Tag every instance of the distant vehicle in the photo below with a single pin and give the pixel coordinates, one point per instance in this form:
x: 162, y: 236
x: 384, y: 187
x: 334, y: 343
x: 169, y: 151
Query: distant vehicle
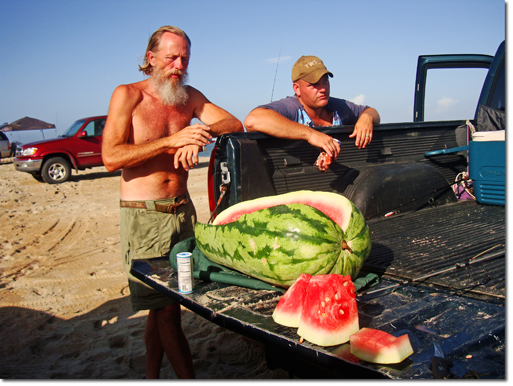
x: 5, y: 146
x: 51, y: 161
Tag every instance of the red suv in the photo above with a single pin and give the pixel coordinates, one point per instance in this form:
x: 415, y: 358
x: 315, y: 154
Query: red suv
x: 80, y: 148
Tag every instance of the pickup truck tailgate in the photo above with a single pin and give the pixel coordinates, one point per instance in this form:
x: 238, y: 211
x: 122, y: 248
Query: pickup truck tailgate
x: 463, y: 309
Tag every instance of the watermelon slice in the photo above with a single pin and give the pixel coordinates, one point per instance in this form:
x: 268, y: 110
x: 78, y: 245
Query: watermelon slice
x: 288, y: 310
x: 329, y: 314
x: 378, y: 346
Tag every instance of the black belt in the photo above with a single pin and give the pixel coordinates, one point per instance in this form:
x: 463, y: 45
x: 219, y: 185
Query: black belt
x: 170, y: 208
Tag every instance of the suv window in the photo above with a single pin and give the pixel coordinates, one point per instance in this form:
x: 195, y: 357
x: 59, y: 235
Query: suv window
x: 99, y: 126
x: 498, y: 92
x: 95, y: 128
x: 3, y: 137
x: 89, y: 129
x: 73, y: 128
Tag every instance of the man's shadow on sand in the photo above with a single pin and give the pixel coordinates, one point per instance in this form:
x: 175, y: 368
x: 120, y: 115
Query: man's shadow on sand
x: 103, y: 343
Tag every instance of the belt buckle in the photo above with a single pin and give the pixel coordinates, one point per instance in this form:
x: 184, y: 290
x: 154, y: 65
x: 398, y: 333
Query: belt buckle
x: 171, y: 208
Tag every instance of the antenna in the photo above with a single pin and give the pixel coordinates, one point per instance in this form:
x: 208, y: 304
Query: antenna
x: 272, y: 93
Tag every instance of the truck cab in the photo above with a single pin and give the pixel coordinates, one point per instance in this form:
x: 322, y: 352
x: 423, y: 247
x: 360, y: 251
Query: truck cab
x: 493, y: 90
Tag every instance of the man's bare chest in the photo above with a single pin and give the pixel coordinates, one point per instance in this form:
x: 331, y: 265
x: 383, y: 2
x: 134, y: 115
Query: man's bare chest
x: 152, y: 122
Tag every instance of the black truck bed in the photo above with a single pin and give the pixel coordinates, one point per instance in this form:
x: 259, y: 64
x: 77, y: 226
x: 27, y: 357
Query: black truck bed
x: 461, y: 304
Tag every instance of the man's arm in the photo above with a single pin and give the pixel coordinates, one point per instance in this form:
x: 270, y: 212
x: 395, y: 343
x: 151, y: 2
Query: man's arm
x: 364, y: 127
x: 218, y: 120
x: 117, y: 153
x: 272, y: 123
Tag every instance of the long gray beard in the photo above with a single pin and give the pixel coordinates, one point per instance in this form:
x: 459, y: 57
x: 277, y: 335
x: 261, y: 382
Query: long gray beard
x: 171, y: 93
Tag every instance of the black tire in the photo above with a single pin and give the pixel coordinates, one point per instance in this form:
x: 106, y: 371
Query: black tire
x: 56, y: 170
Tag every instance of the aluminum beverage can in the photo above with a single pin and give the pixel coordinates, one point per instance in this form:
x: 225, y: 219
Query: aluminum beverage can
x: 185, y: 276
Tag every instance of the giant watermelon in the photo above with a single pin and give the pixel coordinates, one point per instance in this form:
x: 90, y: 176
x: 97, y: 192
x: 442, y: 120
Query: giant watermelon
x: 279, y: 243
x: 277, y: 238
x: 329, y: 315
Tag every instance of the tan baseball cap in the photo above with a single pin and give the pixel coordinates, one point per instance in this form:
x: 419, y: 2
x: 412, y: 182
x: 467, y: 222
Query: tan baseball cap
x: 310, y: 69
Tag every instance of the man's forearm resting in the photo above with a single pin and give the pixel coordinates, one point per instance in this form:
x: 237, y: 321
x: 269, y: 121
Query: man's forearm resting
x: 272, y: 123
x: 373, y: 114
x: 228, y: 125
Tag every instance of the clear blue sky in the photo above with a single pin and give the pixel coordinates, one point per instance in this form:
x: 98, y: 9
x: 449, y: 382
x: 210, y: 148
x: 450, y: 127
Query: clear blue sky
x: 62, y: 59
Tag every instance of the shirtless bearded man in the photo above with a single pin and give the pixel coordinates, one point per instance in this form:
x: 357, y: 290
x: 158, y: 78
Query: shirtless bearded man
x: 149, y: 137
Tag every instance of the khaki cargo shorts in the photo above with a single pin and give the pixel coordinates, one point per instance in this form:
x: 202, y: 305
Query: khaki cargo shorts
x: 150, y: 229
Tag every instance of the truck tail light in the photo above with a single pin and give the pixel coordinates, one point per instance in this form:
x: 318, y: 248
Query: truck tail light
x: 210, y: 178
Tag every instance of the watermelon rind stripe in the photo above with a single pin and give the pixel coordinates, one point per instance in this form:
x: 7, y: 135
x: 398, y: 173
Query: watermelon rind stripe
x: 356, y: 223
x: 361, y: 244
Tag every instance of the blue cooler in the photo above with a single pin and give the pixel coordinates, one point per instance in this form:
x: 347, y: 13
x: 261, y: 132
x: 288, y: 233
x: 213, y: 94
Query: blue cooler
x: 487, y: 166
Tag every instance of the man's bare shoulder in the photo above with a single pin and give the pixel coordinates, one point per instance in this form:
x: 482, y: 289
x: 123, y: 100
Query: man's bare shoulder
x: 196, y: 96
x: 197, y: 101
x: 132, y: 92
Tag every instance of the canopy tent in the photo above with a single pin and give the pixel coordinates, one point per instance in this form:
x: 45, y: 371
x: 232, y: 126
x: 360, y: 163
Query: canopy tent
x: 28, y: 123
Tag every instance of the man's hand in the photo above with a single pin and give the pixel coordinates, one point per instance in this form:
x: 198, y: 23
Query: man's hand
x: 189, y: 142
x: 323, y: 141
x: 187, y: 156
x: 197, y: 134
x: 364, y: 127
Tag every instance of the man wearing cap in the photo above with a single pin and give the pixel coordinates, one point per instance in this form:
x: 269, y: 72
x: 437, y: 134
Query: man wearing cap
x: 296, y: 116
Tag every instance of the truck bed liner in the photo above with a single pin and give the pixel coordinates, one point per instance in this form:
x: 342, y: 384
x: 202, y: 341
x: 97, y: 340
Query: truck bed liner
x: 418, y: 243
x: 429, y: 310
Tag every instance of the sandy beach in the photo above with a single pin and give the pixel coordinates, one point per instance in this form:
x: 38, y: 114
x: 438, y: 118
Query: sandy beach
x: 64, y: 306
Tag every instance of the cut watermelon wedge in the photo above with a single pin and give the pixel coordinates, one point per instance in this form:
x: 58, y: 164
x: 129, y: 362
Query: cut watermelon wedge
x: 288, y: 310
x: 378, y: 346
x: 329, y: 314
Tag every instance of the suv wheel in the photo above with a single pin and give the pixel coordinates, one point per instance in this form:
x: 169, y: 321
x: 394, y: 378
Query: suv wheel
x: 56, y: 170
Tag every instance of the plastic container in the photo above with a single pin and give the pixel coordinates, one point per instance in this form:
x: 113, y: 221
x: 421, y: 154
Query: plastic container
x: 487, y: 166
x: 185, y: 275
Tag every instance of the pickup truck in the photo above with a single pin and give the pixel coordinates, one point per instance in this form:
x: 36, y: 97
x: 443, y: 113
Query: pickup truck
x: 439, y: 261
x: 51, y: 160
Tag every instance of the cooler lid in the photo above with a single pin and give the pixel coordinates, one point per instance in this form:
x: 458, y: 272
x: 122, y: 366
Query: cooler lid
x: 482, y: 136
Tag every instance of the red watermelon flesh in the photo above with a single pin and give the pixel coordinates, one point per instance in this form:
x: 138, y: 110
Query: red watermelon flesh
x: 378, y: 346
x: 335, y: 206
x: 288, y: 309
x: 329, y: 314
